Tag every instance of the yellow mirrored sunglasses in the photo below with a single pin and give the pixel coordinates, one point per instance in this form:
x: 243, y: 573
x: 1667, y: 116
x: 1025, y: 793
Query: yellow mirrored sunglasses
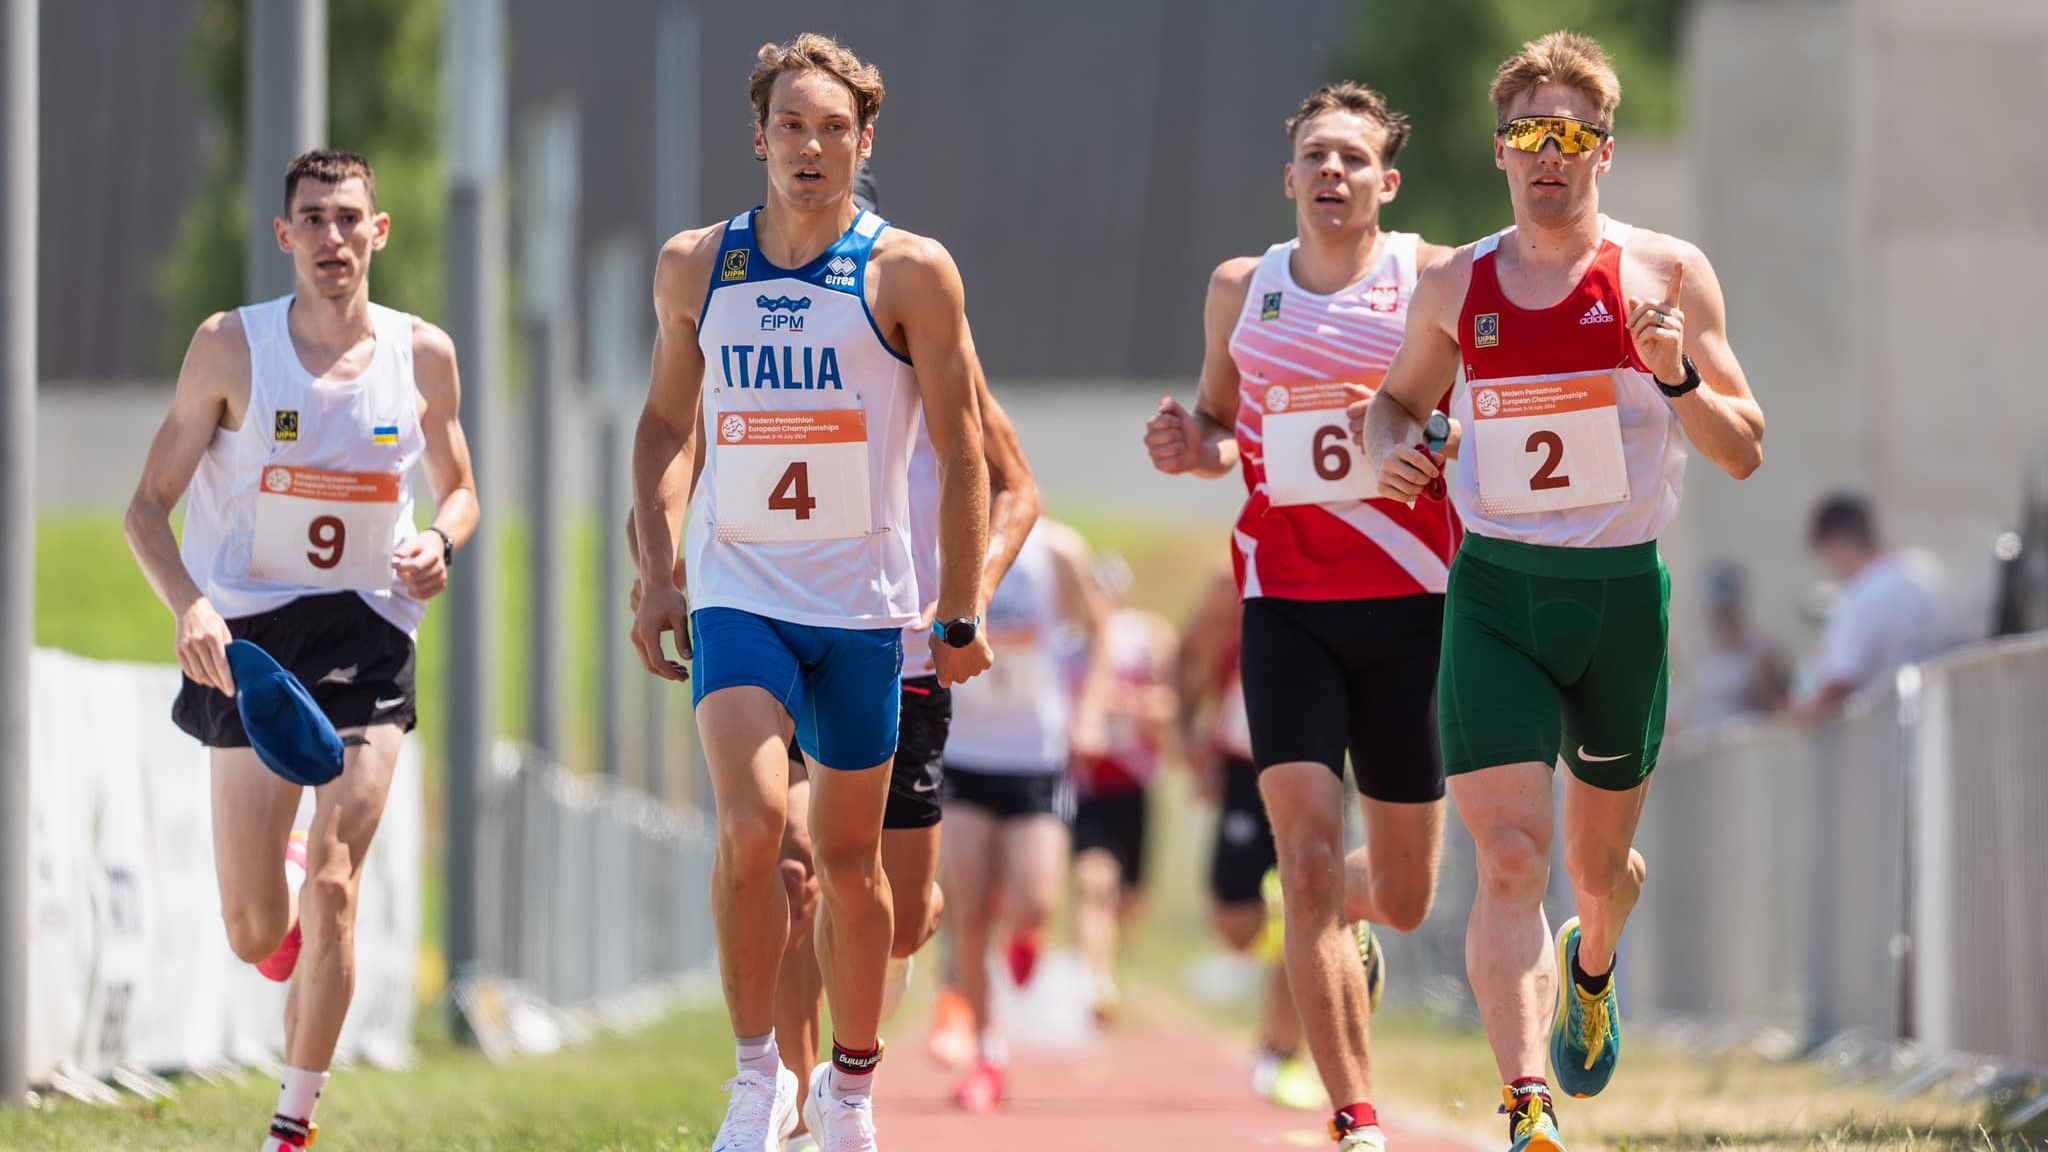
x: 1528, y: 133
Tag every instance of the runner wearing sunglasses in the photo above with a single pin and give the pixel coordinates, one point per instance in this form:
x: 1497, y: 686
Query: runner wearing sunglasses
x: 1591, y: 352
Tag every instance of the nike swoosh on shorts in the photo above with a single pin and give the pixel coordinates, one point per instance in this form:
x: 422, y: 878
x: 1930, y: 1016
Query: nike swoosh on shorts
x: 395, y: 701
x: 1589, y: 758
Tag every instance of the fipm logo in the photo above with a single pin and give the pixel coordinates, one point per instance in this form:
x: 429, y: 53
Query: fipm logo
x: 782, y: 314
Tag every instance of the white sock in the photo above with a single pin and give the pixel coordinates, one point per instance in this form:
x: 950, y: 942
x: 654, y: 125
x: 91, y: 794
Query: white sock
x: 300, y: 1093
x: 296, y: 1098
x: 758, y: 1054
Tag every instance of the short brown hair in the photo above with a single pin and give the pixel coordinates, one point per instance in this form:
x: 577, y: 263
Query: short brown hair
x: 328, y: 166
x: 1568, y: 58
x: 811, y: 52
x: 1350, y: 96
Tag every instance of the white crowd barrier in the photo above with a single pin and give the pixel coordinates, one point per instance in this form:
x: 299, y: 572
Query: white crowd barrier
x: 129, y: 967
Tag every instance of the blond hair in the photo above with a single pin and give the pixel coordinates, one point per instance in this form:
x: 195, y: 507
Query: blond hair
x: 1357, y: 99
x: 1568, y: 58
x: 811, y: 52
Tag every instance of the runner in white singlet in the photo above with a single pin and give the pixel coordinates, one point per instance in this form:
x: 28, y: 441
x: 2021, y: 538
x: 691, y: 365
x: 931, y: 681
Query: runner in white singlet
x: 1007, y: 793
x: 297, y: 424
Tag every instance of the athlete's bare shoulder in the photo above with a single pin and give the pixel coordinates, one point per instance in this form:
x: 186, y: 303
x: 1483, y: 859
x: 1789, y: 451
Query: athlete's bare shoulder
x: 1427, y: 254
x: 906, y: 263
x: 433, y: 354
x: 1441, y: 284
x: 217, y: 361
x: 682, y: 273
x: 1233, y: 278
x: 1651, y: 257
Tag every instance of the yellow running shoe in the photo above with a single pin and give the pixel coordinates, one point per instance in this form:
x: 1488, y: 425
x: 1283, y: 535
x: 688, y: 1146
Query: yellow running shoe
x: 1585, y: 1034
x: 1375, y: 961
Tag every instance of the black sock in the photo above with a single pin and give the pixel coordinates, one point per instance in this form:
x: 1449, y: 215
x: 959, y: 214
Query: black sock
x: 1590, y: 985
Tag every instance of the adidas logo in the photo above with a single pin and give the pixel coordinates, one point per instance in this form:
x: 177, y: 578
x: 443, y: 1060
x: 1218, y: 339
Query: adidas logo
x: 1597, y: 314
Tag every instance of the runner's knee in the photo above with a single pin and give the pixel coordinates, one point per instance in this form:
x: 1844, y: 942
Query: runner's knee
x: 1512, y: 866
x: 327, y: 910
x: 801, y: 883
x: 1402, y: 903
x: 917, y: 918
x: 749, y: 843
x: 1599, y: 872
x: 1312, y: 874
x: 254, y: 932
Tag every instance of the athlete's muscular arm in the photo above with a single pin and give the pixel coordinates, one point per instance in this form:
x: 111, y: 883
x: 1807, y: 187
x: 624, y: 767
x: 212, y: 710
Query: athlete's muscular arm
x: 1084, y: 603
x: 1423, y: 370
x: 1205, y: 441
x: 421, y: 561
x: 663, y: 448
x: 926, y: 303
x: 1720, y: 417
x: 1013, y: 503
x: 212, y: 392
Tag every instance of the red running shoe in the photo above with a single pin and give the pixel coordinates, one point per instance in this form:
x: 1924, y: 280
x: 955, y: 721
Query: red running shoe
x: 280, y: 964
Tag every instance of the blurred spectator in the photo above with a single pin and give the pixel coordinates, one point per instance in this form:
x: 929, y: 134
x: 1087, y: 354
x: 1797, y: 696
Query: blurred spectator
x: 1740, y: 675
x: 1893, y: 608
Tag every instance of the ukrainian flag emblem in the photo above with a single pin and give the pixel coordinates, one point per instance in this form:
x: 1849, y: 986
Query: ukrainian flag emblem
x: 385, y: 434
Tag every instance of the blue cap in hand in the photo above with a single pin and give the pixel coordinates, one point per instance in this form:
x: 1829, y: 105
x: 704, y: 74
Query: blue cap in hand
x: 289, y: 732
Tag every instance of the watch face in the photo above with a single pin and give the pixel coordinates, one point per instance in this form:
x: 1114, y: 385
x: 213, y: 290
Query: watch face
x: 959, y: 633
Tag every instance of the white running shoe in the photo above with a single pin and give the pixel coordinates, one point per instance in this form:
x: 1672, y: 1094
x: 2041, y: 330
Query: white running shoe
x: 801, y: 1142
x: 1366, y: 1139
x: 759, y: 1114
x: 895, y: 983
x: 840, y: 1125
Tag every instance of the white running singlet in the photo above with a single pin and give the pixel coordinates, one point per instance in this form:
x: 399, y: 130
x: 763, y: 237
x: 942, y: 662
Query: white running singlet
x: 313, y: 492
x: 802, y: 512
x: 1014, y: 717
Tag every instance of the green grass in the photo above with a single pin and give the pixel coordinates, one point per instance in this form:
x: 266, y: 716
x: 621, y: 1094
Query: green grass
x: 654, y: 1091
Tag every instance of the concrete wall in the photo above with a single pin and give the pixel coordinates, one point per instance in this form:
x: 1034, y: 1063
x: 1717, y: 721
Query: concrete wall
x: 1868, y: 193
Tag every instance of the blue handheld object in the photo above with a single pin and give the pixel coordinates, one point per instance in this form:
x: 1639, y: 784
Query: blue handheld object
x: 289, y: 732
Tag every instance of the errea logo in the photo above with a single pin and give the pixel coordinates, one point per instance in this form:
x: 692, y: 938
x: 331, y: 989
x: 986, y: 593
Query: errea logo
x: 839, y: 273
x: 1597, y: 314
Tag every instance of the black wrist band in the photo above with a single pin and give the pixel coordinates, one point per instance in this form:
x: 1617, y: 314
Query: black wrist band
x: 1689, y: 384
x: 447, y: 546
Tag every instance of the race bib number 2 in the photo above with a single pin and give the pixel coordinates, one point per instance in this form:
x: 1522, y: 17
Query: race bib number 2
x: 1309, y: 456
x: 793, y: 476
x: 325, y: 529
x: 1548, y: 445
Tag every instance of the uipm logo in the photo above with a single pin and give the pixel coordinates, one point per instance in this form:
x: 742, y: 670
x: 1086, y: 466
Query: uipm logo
x: 773, y: 319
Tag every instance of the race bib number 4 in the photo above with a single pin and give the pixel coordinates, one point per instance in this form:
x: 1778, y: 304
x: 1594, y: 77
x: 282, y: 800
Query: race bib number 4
x: 792, y: 476
x: 1548, y: 445
x: 325, y: 529
x: 1309, y: 456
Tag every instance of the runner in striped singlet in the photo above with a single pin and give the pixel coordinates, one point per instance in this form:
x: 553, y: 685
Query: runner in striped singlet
x: 1343, y: 592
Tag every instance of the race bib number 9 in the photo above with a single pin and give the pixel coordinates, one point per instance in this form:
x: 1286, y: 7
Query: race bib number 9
x: 1309, y: 456
x: 325, y: 529
x: 792, y: 476
x: 1548, y: 445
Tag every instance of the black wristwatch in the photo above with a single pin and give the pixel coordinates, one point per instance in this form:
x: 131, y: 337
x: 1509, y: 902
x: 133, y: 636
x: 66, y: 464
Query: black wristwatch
x: 1691, y: 381
x: 957, y: 633
x: 447, y: 547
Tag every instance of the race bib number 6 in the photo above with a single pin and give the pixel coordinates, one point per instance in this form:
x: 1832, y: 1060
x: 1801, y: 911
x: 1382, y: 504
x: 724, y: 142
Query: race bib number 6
x: 325, y: 529
x: 792, y: 476
x: 1548, y: 445
x: 1309, y: 456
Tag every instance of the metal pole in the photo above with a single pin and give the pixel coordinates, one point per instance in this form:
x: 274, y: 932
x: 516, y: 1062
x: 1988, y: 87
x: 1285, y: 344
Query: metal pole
x: 677, y: 120
x: 548, y: 193
x: 472, y: 52
x: 617, y: 373
x: 285, y: 43
x: 18, y: 132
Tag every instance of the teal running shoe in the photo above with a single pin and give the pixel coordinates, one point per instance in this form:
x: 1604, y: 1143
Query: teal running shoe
x: 1585, y: 1035
x: 1531, y: 1126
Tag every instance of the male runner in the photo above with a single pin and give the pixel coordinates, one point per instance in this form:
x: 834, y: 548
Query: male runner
x: 296, y: 423
x: 1343, y: 592
x: 1217, y: 736
x: 1111, y: 786
x: 1578, y: 337
x: 1008, y: 798
x: 793, y: 329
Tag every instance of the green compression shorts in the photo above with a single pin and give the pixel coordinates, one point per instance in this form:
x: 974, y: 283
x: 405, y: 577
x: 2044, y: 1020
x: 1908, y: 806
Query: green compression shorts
x: 1550, y: 650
